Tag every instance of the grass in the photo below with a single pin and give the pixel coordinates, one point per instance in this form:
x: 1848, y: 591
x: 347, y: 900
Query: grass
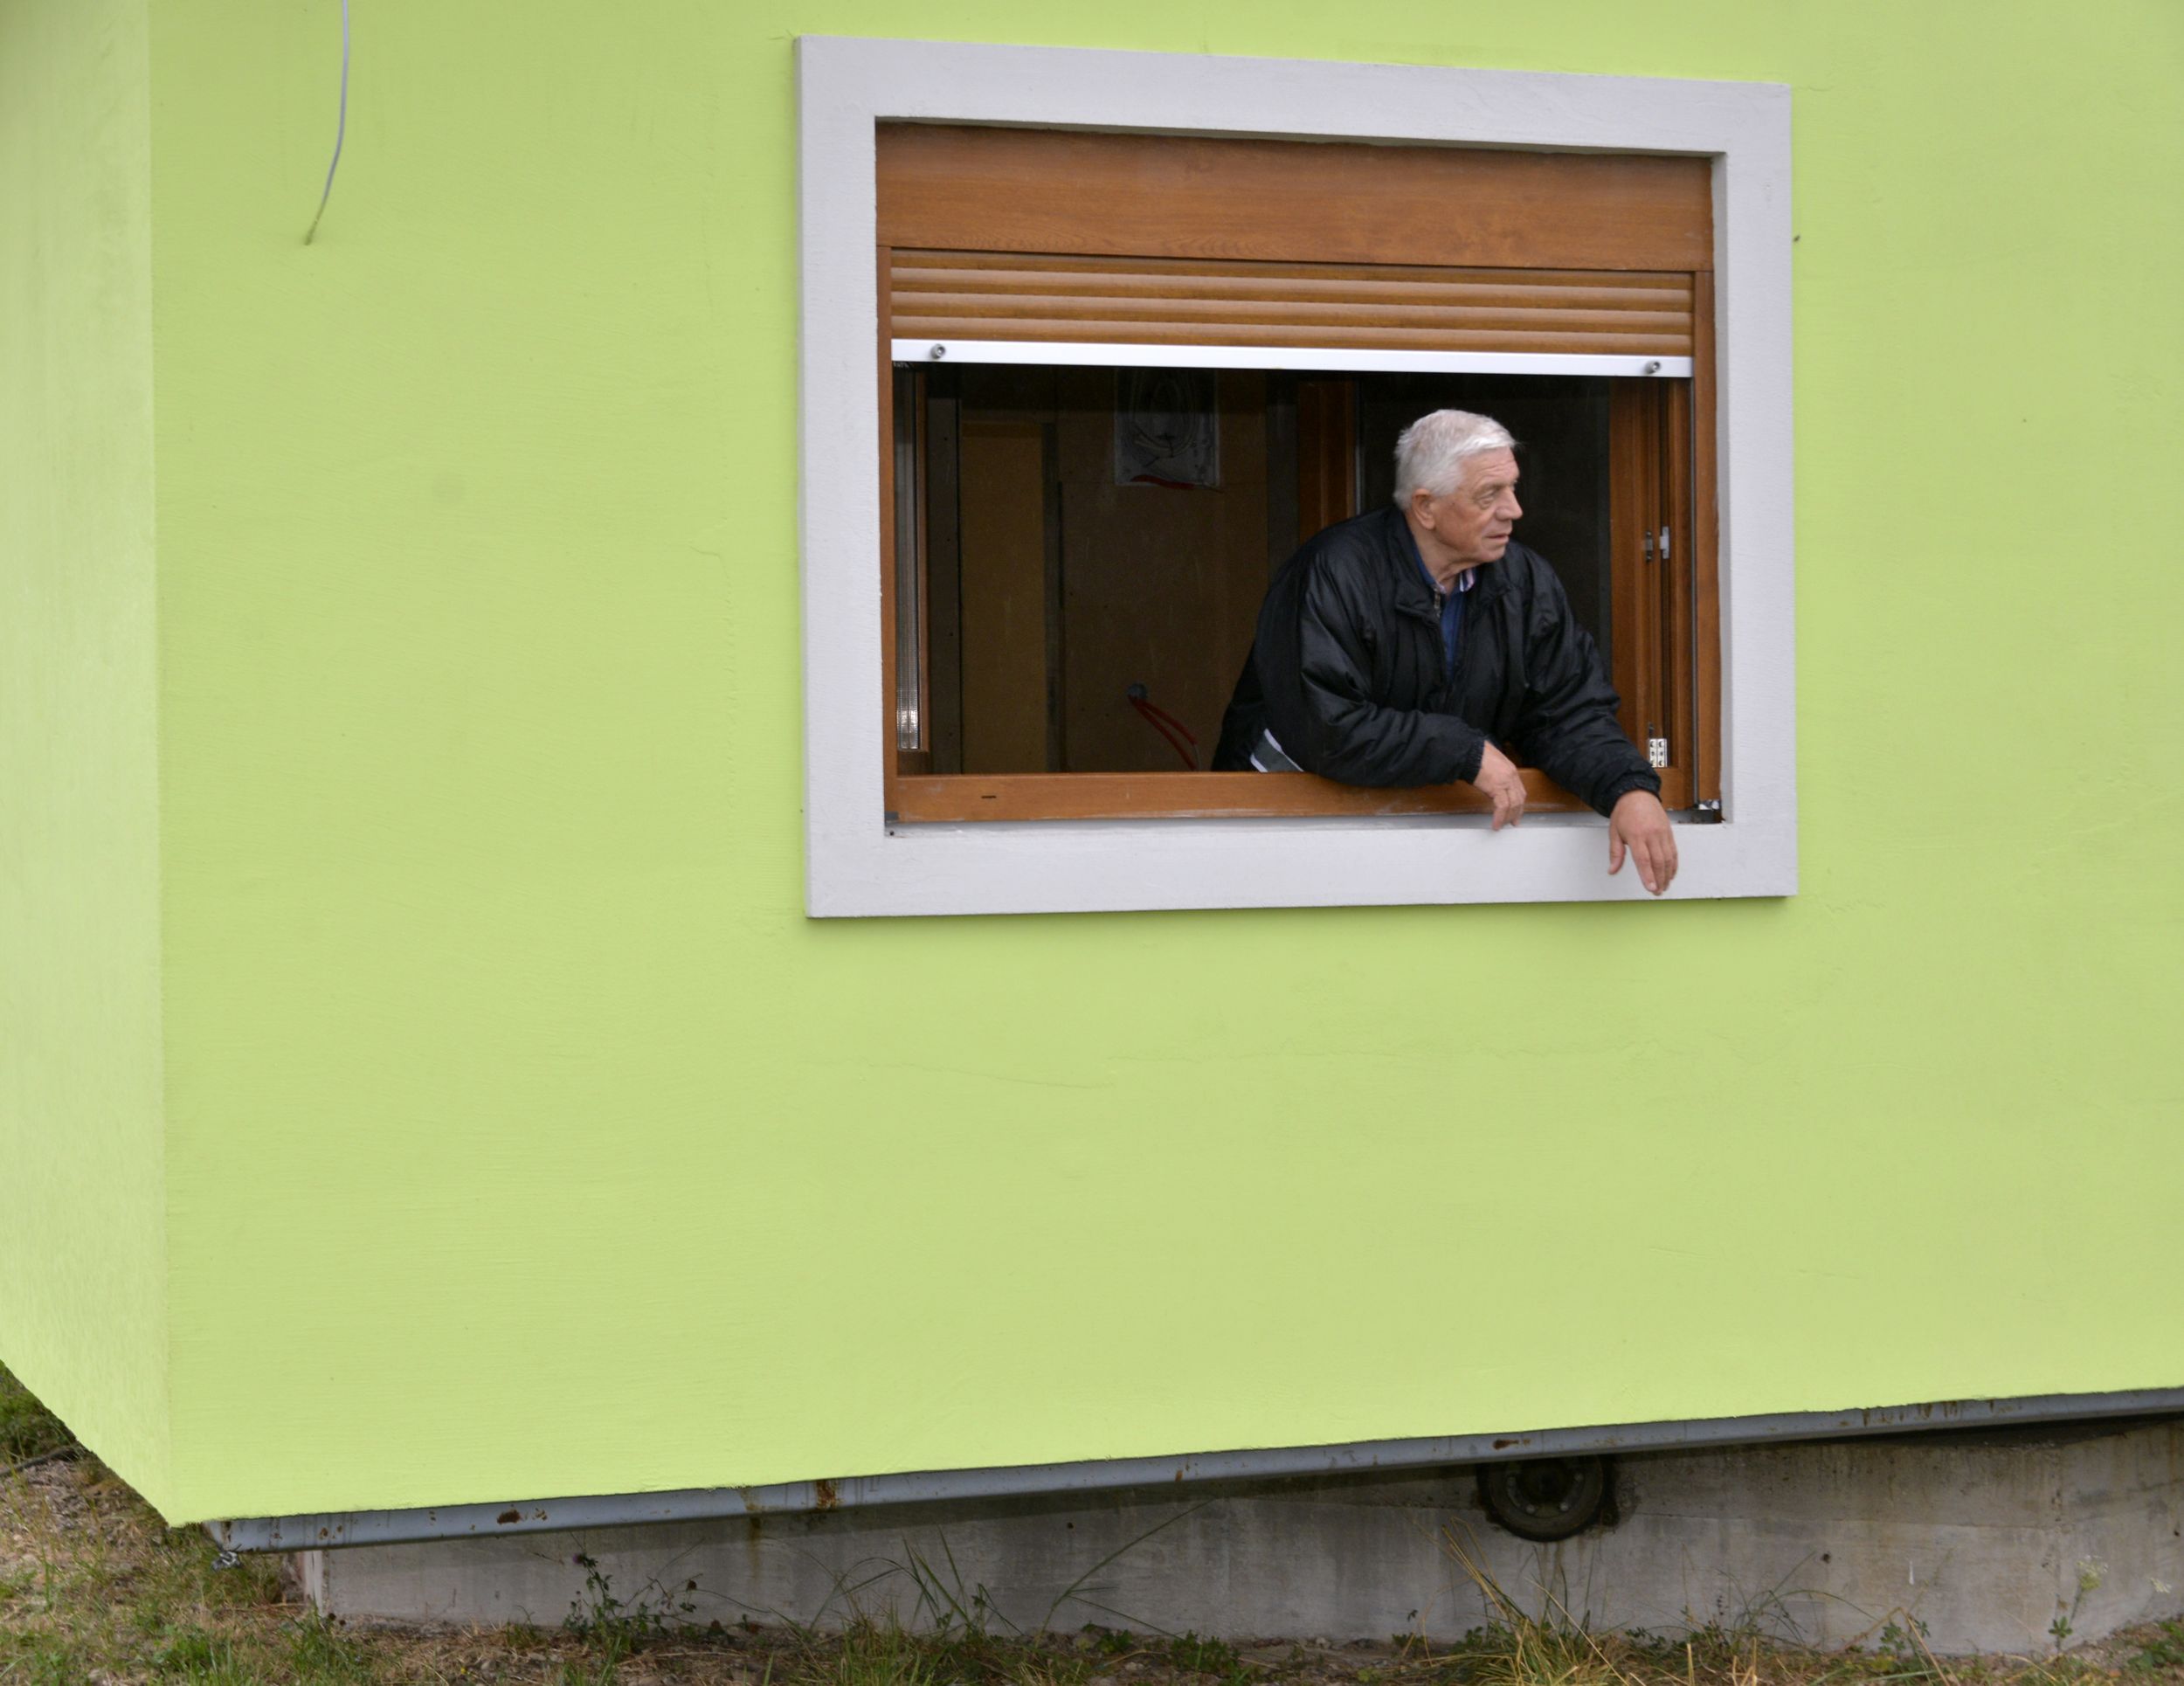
x: 94, y: 1588
x: 27, y: 1428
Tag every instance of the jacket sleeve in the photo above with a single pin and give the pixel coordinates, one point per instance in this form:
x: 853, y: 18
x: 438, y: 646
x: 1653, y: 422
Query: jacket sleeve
x: 1567, y: 725
x: 1347, y: 736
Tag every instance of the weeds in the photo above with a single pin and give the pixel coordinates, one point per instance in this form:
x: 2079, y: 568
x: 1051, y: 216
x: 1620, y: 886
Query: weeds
x: 1526, y: 1649
x: 1901, y: 1646
x: 27, y: 1429
x: 2090, y: 1574
x: 2163, y: 1653
x: 944, y: 1603
x: 203, y: 1659
x: 1192, y: 1655
x: 597, y: 1616
x: 320, y: 1651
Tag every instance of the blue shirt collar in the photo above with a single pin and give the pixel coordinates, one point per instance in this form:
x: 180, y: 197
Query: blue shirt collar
x: 1464, y: 580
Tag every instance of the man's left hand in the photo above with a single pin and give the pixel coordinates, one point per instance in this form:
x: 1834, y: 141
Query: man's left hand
x: 1640, y: 824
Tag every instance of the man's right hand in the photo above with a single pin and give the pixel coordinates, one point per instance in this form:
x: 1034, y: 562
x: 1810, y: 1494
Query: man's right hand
x: 1500, y: 783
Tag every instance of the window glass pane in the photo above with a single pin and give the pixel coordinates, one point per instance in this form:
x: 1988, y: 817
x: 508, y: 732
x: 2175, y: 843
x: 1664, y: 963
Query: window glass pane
x: 1114, y: 548
x: 909, y: 712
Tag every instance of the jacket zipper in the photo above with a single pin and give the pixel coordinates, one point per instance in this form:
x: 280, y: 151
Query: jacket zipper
x: 1432, y: 621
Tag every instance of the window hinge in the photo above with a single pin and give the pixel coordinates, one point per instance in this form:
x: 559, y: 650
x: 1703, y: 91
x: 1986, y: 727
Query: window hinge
x: 1709, y: 813
x: 1657, y: 752
x: 1664, y: 545
x: 1648, y: 544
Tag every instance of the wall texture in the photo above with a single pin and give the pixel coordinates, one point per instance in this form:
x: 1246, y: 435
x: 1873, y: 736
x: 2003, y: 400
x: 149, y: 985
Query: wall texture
x: 524, y: 1137
x: 82, y: 1220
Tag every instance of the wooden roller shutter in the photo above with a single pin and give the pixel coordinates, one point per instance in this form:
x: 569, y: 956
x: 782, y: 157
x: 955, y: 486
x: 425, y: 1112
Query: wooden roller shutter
x: 955, y: 297
x: 1025, y: 235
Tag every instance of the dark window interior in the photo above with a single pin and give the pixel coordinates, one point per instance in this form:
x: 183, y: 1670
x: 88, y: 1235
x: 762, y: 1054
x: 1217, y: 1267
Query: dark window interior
x: 1072, y: 604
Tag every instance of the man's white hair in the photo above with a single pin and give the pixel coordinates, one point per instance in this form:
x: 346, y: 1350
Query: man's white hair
x: 1431, y: 453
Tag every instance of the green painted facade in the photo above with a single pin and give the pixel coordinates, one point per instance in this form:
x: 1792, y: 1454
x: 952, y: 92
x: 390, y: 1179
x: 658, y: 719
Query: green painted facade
x: 83, y: 1233
x: 422, y: 1084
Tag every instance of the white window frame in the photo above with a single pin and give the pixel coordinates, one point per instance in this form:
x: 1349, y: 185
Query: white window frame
x: 857, y: 862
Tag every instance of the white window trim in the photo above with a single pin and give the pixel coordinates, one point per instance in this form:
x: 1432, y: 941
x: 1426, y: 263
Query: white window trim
x: 856, y: 863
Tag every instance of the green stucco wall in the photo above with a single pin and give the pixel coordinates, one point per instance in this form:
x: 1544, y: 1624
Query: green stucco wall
x: 525, y: 1138
x: 82, y: 1223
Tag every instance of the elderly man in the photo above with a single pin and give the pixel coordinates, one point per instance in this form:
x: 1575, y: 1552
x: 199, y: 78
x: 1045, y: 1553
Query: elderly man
x: 1419, y: 645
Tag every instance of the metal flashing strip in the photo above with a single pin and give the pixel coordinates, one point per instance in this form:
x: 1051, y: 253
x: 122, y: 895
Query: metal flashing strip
x: 1346, y: 359
x: 957, y: 1486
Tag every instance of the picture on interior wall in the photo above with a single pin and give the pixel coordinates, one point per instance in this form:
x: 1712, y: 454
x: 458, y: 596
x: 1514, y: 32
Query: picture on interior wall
x: 1167, y: 428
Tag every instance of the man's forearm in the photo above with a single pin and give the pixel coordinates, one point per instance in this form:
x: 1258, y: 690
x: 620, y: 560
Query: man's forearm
x: 1597, y: 763
x: 1356, y: 742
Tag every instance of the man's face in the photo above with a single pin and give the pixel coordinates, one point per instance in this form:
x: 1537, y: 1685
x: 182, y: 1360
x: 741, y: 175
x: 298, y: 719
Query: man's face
x: 1471, y: 524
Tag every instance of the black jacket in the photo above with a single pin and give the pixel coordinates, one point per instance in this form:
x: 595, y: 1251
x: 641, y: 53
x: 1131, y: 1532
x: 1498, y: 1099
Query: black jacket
x: 1347, y: 671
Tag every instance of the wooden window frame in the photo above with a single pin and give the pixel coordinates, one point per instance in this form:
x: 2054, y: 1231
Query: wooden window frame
x: 976, y: 229
x: 860, y: 862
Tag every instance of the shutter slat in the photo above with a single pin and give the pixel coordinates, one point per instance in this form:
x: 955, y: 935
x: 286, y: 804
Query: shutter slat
x: 969, y: 296
x: 1100, y: 312
x: 969, y: 271
x: 946, y: 328
x: 915, y: 284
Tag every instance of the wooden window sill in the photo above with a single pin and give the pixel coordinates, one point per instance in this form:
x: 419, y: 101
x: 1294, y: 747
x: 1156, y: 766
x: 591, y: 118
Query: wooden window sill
x: 918, y: 798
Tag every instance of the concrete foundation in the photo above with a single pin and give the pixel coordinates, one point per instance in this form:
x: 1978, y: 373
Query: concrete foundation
x: 1989, y: 1537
